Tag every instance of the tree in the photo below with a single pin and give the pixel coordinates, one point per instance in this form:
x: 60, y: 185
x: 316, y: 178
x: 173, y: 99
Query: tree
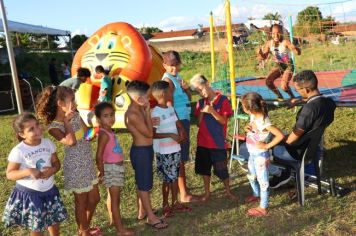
x: 309, y: 21
x: 78, y: 40
x: 149, y: 30
x: 271, y: 16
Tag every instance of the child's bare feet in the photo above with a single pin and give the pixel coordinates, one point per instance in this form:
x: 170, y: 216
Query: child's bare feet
x: 126, y: 232
x: 205, y: 197
x: 189, y: 198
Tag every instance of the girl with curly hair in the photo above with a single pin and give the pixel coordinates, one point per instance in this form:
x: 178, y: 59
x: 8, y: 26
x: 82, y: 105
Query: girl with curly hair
x: 57, y: 108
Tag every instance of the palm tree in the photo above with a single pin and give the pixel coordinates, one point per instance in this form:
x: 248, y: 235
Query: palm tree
x: 272, y: 16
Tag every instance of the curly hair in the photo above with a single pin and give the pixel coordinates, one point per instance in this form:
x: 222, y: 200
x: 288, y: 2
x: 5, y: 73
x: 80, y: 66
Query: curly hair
x: 254, y: 102
x: 46, y: 103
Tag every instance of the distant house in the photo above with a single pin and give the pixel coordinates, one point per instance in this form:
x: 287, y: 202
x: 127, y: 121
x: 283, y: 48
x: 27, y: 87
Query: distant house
x: 174, y: 35
x: 195, y: 39
x: 193, y: 33
x: 345, y: 29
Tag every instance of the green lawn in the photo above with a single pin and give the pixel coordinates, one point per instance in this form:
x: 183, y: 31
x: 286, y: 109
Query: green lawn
x: 322, y: 215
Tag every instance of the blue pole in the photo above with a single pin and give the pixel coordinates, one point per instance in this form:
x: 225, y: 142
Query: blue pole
x: 291, y: 40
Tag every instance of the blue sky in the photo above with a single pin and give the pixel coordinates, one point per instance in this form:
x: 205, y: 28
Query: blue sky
x: 84, y: 16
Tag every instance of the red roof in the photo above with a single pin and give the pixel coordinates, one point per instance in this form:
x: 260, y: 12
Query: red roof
x: 190, y: 32
x: 173, y: 34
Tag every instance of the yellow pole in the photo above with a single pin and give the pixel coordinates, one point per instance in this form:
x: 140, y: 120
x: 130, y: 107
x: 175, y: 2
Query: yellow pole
x: 231, y: 54
x: 212, y: 47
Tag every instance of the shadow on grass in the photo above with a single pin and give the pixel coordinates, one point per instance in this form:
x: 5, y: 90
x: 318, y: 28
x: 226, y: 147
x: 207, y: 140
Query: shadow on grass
x: 339, y: 161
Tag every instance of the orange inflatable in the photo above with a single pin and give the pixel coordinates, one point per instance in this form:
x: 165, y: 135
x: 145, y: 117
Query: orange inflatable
x: 124, y: 53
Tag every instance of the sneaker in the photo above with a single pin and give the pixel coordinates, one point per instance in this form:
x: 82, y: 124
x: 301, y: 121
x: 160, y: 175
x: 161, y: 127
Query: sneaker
x: 279, y: 181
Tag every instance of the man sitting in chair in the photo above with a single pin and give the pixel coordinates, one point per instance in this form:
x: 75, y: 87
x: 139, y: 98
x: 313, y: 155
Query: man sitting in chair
x: 318, y: 111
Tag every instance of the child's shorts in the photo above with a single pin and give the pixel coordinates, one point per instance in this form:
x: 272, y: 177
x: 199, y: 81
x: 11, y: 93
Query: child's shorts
x: 114, y: 175
x: 168, y: 166
x: 141, y: 160
x: 211, y: 157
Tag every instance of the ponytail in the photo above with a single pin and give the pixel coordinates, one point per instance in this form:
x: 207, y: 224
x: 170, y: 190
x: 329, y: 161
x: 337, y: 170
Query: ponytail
x: 254, y: 102
x: 47, y: 102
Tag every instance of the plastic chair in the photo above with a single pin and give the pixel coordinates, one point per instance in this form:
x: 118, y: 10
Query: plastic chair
x: 311, y: 141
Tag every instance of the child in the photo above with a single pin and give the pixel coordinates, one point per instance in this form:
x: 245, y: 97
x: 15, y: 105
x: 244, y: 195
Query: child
x: 56, y: 107
x: 105, y: 85
x: 110, y: 163
x: 139, y: 124
x: 180, y: 99
x: 65, y: 70
x: 35, y: 202
x: 74, y: 83
x: 258, y: 131
x: 283, y: 66
x: 166, y: 146
x: 213, y: 112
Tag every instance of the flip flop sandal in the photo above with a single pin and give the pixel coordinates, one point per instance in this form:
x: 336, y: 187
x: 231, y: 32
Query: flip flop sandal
x: 158, y: 225
x: 155, y: 211
x: 181, y: 208
x: 257, y: 212
x: 95, y: 231
x: 252, y: 199
x: 168, y: 212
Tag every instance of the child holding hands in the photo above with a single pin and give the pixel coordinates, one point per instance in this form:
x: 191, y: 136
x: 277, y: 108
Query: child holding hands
x: 257, y: 143
x: 35, y: 202
x: 166, y: 144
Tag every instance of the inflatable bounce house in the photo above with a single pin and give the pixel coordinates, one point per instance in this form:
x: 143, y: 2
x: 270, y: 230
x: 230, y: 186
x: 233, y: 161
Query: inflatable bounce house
x: 124, y: 53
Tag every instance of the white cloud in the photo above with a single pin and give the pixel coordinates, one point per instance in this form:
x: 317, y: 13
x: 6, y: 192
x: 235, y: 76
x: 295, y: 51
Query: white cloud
x: 345, y: 12
x: 79, y: 32
x: 181, y: 22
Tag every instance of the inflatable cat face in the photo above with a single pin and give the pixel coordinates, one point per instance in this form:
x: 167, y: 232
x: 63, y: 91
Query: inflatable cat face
x: 125, y: 55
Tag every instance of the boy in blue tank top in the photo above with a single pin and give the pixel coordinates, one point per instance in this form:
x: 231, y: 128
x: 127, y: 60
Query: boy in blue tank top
x: 180, y: 100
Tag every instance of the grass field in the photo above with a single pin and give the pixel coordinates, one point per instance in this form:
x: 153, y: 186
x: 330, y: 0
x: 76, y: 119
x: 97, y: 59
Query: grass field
x: 322, y: 214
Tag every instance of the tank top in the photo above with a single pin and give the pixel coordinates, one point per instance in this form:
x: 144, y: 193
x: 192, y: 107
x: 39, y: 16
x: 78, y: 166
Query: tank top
x: 181, y: 101
x: 113, y: 151
x: 281, y: 54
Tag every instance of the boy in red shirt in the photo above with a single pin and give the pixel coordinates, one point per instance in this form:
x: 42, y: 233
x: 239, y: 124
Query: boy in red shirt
x: 213, y: 112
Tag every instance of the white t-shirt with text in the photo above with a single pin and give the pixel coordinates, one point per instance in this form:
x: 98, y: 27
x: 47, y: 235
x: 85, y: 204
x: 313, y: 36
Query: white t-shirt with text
x: 34, y: 157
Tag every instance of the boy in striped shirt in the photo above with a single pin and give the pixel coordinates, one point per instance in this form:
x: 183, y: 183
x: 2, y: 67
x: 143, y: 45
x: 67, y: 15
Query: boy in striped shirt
x: 168, y: 135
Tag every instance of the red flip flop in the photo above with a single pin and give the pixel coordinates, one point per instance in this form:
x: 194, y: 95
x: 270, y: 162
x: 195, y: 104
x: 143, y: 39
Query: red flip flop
x: 252, y: 199
x: 180, y: 208
x: 95, y: 231
x: 257, y: 212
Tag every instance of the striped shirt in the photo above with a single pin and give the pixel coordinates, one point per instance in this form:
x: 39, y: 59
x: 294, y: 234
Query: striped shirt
x: 167, y: 124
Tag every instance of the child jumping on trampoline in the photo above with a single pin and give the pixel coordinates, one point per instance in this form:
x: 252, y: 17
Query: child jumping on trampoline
x: 280, y: 49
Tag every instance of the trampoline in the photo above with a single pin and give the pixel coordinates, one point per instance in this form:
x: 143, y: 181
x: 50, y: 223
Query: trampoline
x: 338, y: 85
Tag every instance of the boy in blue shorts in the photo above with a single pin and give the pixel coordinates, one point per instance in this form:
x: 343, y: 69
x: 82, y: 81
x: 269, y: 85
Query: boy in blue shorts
x: 166, y: 144
x: 139, y: 124
x: 213, y: 112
